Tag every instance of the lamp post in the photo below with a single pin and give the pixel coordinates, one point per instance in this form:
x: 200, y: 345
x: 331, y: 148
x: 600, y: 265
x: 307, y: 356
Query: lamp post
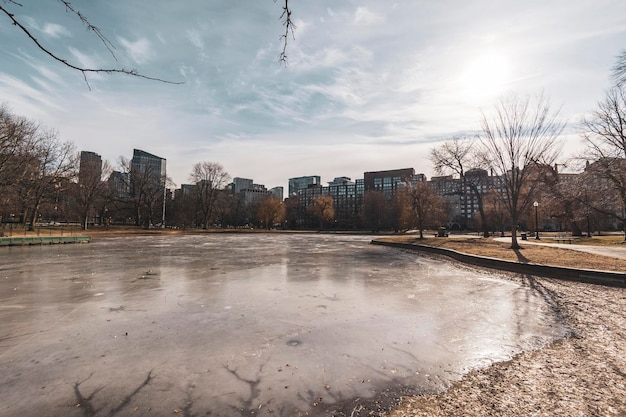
x: 536, y: 204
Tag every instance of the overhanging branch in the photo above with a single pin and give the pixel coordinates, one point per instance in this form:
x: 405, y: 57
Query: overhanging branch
x: 83, y: 70
x: 289, y: 28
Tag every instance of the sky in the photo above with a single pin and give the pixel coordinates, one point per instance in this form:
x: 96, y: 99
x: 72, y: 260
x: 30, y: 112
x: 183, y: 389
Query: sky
x: 369, y: 85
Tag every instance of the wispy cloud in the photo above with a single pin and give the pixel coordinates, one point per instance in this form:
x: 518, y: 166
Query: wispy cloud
x: 140, y: 51
x: 50, y: 29
x: 364, y: 16
x: 195, y: 37
x: 55, y: 31
x: 30, y: 100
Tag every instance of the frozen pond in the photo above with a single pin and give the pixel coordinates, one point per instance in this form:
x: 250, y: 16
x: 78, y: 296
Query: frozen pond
x: 234, y: 325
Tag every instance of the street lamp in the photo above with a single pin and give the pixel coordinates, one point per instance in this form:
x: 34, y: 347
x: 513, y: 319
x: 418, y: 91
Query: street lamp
x: 536, y: 204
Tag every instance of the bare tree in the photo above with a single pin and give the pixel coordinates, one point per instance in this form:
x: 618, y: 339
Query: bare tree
x: 374, y: 211
x: 518, y: 140
x: 619, y: 69
x: 48, y: 163
x: 604, y: 132
x: 91, y: 189
x: 291, y: 212
x: 17, y: 134
x: 270, y: 211
x: 209, y: 178
x: 496, y: 211
x: 456, y: 156
x: 399, y: 212
x: 322, y: 209
x: 145, y: 191
x: 427, y: 208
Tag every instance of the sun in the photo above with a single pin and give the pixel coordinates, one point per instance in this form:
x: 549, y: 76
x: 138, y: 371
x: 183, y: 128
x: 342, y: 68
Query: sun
x: 484, y: 77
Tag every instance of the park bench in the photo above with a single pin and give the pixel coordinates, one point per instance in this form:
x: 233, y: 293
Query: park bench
x: 563, y: 239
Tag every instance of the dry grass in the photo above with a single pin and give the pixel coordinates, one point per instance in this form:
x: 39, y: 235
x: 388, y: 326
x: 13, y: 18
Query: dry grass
x: 544, y: 255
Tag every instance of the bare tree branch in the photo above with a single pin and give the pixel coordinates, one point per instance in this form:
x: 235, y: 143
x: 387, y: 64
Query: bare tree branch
x: 83, y: 70
x: 90, y: 27
x: 289, y: 28
x: 619, y: 69
x: 520, y: 141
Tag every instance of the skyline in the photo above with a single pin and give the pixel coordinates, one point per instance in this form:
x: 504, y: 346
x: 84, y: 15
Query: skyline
x: 367, y: 87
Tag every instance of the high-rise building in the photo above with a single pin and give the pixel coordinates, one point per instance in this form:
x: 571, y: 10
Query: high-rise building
x: 300, y: 183
x: 241, y: 184
x: 277, y: 192
x: 90, y: 169
x: 248, y: 192
x: 148, y: 174
x: 119, y: 184
x: 146, y: 163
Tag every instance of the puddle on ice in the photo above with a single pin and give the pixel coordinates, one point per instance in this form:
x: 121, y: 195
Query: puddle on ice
x: 235, y: 325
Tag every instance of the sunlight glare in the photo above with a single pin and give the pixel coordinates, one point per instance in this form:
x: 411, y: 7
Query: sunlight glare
x: 484, y: 77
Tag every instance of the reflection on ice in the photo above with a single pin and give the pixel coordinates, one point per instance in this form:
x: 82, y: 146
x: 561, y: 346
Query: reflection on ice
x: 236, y: 324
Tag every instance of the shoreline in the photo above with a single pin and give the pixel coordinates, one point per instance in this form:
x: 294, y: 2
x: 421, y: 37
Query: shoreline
x: 583, y: 374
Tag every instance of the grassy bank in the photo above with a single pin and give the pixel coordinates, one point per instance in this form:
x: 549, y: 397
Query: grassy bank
x: 545, y: 255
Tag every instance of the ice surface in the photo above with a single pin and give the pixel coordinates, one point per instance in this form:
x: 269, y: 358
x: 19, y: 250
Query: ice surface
x: 245, y: 325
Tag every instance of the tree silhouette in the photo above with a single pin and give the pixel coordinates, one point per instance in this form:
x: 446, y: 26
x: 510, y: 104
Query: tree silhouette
x: 518, y: 140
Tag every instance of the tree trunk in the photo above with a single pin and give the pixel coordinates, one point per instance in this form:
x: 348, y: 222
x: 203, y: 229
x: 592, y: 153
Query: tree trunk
x: 514, y: 244
x: 483, y: 220
x: 33, y: 217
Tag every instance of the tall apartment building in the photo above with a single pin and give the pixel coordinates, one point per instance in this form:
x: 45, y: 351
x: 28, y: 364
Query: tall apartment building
x: 300, y: 183
x: 90, y: 168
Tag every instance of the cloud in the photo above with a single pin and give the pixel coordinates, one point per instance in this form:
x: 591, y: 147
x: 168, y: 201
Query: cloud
x: 26, y: 99
x: 55, y: 31
x: 139, y: 51
x: 363, y: 16
x: 195, y: 37
x: 85, y: 61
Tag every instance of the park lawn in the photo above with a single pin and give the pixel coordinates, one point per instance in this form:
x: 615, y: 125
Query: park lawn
x: 544, y: 255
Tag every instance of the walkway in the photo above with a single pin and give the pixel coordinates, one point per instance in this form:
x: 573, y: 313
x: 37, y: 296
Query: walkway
x: 612, y: 251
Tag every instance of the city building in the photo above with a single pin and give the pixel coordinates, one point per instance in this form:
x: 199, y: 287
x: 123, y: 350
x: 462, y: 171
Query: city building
x: 347, y: 198
x: 147, y: 181
x: 241, y: 184
x: 248, y: 192
x: 119, y: 185
x: 146, y: 163
x: 300, y: 183
x: 90, y: 167
x: 277, y: 192
x: 449, y: 189
x: 389, y: 182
